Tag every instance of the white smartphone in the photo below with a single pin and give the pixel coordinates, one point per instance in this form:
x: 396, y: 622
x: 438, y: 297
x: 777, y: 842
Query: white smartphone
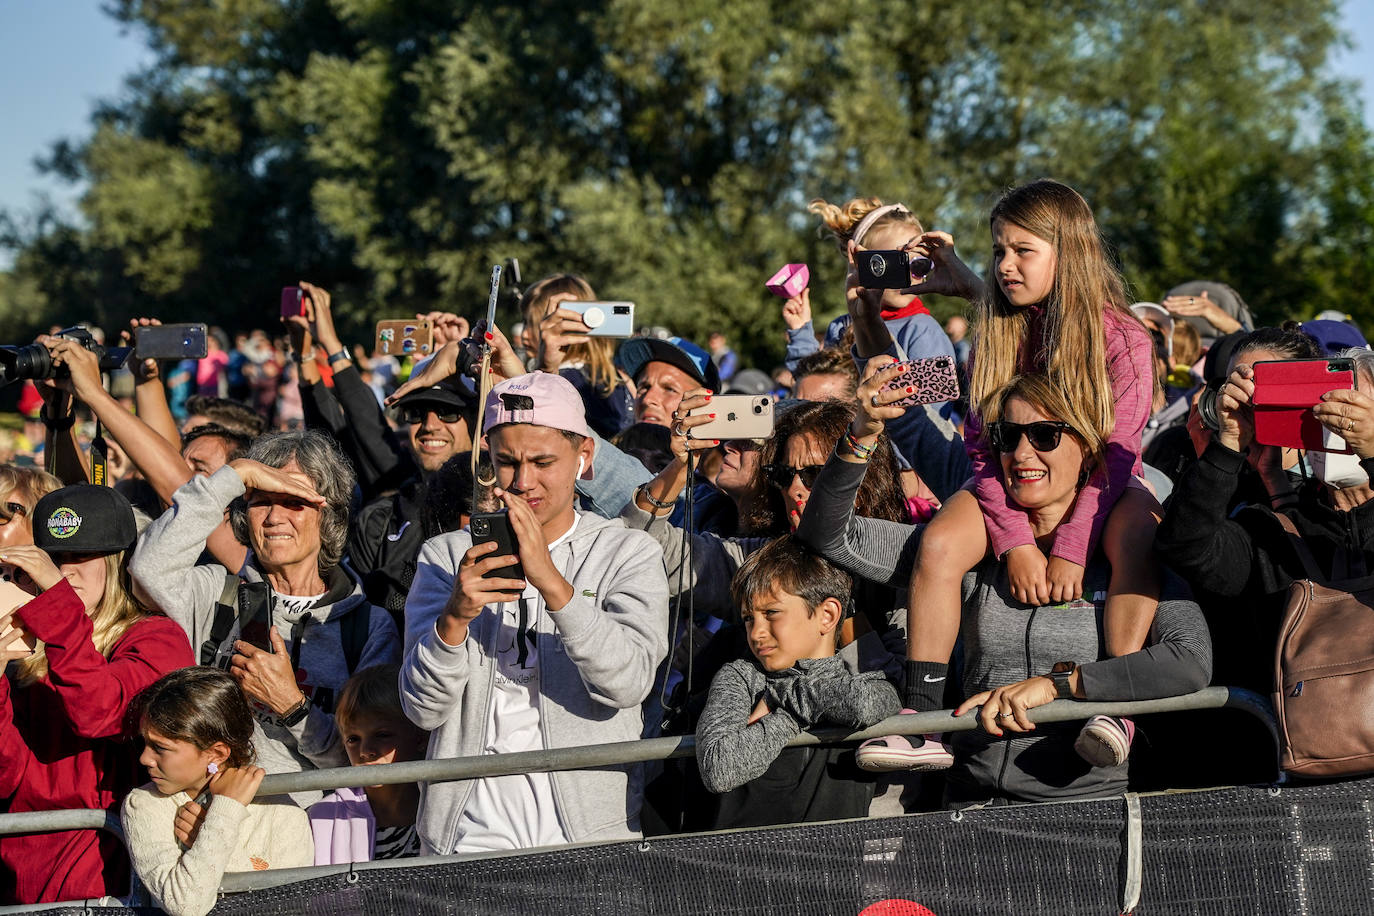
x: 738, y: 416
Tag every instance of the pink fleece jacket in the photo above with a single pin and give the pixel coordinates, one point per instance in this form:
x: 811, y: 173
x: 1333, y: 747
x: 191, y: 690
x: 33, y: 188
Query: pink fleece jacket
x: 1129, y: 353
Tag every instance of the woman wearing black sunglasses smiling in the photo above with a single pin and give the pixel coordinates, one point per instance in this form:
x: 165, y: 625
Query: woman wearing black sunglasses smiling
x: 1011, y: 649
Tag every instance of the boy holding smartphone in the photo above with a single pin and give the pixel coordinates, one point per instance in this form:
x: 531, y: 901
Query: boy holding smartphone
x: 561, y: 657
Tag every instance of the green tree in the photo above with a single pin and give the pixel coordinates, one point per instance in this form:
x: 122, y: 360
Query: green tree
x: 394, y: 149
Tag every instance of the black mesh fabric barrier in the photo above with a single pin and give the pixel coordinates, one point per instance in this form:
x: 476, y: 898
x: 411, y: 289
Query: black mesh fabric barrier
x: 1302, y: 850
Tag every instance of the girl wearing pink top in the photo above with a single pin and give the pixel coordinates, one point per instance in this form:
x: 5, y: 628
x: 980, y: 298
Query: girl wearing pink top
x: 1053, y: 305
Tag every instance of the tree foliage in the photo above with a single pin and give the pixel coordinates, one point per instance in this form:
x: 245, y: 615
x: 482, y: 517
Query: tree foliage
x: 394, y: 149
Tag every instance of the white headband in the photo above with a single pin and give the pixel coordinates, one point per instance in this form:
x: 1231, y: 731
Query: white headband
x: 874, y: 215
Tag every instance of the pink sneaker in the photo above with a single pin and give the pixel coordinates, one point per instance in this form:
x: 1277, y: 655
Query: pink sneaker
x: 1105, y: 741
x: 894, y: 753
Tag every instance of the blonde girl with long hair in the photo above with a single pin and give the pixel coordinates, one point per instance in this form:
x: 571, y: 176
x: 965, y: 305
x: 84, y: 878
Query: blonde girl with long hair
x: 82, y: 648
x: 1053, y: 304
x: 557, y: 340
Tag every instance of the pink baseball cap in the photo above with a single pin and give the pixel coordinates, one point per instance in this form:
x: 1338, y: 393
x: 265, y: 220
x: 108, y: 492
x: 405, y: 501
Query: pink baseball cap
x: 540, y: 399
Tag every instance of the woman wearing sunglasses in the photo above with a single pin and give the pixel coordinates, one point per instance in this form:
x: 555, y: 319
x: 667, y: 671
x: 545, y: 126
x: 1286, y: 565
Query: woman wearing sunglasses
x: 1017, y: 656
x: 20, y: 491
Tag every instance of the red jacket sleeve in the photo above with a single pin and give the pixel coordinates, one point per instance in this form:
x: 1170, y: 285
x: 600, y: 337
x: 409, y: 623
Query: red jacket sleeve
x: 1129, y: 354
x: 96, y: 691
x: 15, y: 755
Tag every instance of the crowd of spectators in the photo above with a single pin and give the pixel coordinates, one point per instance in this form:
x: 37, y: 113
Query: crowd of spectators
x: 305, y: 555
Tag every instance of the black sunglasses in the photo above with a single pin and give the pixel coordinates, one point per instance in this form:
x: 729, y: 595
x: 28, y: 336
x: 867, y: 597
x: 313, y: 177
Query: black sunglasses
x: 1043, y: 434
x: 417, y: 414
x: 9, y: 510
x: 782, y: 475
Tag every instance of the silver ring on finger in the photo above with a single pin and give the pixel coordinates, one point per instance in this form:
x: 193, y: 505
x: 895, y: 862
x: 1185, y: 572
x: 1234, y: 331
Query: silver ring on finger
x: 678, y: 430
x: 1005, y: 715
x: 873, y: 400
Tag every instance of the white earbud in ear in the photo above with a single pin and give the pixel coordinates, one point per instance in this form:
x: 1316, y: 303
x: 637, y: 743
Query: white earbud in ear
x: 581, y: 463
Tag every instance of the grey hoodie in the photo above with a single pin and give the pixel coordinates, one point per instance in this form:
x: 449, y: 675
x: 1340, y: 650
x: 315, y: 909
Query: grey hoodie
x: 598, y: 656
x: 166, y: 576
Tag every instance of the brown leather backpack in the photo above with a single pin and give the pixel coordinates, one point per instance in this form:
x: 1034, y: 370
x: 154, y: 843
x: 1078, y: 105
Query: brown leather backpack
x: 1324, y: 669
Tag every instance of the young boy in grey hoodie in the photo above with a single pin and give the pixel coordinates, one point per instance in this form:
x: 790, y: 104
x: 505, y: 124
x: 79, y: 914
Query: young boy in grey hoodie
x: 791, y: 603
x: 562, y: 656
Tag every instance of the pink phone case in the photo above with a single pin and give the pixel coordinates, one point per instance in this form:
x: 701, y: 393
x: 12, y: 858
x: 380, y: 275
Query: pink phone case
x: 934, y: 379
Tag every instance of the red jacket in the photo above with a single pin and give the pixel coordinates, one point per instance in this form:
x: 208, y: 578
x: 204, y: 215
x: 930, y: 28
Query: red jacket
x: 64, y: 744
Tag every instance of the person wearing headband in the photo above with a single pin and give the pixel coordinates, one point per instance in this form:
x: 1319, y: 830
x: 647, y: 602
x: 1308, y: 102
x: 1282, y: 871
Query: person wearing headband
x: 874, y: 225
x: 563, y: 655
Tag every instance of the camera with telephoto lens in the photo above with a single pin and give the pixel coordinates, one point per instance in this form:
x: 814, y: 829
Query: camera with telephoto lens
x: 1207, y: 405
x: 33, y: 361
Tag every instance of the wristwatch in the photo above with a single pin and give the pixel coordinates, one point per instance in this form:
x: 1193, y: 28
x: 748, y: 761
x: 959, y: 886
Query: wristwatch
x: 296, y: 713
x: 1060, y: 675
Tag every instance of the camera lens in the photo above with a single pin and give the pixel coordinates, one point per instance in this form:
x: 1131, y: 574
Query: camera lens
x: 1207, y: 408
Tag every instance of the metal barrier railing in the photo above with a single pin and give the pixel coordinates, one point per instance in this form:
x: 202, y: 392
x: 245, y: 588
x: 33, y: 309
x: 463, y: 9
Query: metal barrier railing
x: 651, y: 749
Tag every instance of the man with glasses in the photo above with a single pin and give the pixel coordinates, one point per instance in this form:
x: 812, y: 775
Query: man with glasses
x: 388, y: 532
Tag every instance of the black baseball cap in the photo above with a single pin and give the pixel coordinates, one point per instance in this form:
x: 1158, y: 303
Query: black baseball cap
x: 451, y: 392
x: 84, y: 518
x: 637, y: 352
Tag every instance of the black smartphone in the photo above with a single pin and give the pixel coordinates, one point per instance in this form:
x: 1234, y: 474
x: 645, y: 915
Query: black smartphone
x: 170, y: 341
x: 890, y: 269
x: 495, y: 526
x: 255, y: 615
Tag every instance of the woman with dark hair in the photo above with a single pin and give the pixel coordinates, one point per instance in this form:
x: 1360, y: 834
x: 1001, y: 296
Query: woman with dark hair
x: 198, y: 744
x: 80, y: 650
x: 288, y: 502
x: 1242, y: 558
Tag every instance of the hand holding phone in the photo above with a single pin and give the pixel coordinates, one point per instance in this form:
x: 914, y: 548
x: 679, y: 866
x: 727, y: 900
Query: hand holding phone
x: 738, y: 416
x: 926, y: 381
x: 890, y: 269
x: 292, y: 302
x: 1286, y: 393
x: 495, y: 527
x: 170, y: 341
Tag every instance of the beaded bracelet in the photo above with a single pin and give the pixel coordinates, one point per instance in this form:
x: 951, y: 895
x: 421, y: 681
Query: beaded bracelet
x: 656, y: 503
x: 862, y: 452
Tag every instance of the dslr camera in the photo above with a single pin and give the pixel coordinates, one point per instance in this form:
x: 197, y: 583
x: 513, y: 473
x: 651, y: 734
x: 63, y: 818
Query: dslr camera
x: 33, y: 361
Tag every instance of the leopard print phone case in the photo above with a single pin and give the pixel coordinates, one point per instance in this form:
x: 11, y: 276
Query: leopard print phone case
x: 934, y: 379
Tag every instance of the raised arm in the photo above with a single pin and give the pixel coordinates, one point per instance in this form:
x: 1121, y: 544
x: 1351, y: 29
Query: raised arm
x: 150, y: 395
x: 160, y: 461
x: 95, y: 691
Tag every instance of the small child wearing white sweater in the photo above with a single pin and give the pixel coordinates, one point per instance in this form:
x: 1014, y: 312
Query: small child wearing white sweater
x: 197, y: 733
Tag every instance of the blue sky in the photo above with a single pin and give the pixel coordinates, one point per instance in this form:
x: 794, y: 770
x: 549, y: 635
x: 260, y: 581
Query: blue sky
x: 58, y: 57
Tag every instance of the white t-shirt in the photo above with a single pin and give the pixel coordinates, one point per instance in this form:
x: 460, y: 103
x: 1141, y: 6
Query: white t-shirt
x: 516, y: 811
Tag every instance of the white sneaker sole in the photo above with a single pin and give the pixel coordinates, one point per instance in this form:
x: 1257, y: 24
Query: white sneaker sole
x: 1102, y: 748
x: 893, y: 760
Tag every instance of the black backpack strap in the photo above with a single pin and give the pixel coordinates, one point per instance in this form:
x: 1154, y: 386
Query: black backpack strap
x: 226, y: 612
x: 353, y: 631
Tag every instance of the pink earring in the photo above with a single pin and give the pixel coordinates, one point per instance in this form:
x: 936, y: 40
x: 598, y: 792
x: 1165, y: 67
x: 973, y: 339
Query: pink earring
x: 212, y: 768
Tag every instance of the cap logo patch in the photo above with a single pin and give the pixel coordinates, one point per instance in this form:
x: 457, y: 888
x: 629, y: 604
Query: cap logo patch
x: 63, y: 523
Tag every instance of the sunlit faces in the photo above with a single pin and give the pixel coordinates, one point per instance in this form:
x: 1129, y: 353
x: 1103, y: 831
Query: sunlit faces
x: 802, y: 451
x: 16, y: 525
x: 207, y: 454
x: 781, y: 629
x: 284, y: 531
x: 891, y: 237
x: 1023, y: 264
x: 87, y: 574
x: 371, y: 738
x: 435, y: 440
x: 1040, y: 480
x: 539, y: 465
x: 737, y: 468
x: 175, y: 765
x: 659, y: 388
